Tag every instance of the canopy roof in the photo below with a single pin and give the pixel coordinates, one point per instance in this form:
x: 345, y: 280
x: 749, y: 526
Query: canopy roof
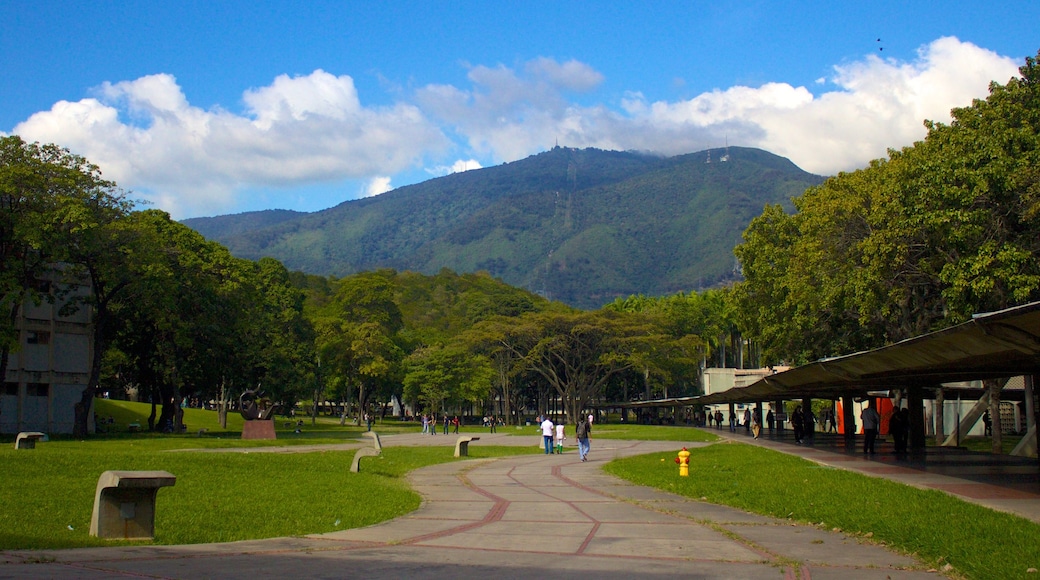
x: 990, y: 345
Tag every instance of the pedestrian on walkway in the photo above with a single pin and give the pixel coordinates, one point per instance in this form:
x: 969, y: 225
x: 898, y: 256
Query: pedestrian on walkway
x: 446, y: 421
x: 433, y: 423
x: 770, y: 420
x: 897, y: 428
x: 582, y: 433
x: 796, y: 423
x: 547, y: 435
x: 560, y: 436
x: 756, y: 422
x: 718, y: 419
x: 711, y: 419
x: 493, y: 421
x: 987, y: 423
x: 747, y: 420
x: 871, y: 421
x: 732, y: 421
x: 425, y: 424
x: 455, y: 424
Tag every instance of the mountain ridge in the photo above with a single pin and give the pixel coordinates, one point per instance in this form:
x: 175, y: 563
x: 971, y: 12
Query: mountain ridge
x: 577, y: 225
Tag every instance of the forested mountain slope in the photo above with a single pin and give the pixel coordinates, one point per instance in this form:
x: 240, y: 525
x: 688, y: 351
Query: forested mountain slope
x: 579, y: 226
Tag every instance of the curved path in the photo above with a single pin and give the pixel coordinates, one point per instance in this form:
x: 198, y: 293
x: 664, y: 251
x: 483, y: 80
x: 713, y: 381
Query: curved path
x: 533, y: 516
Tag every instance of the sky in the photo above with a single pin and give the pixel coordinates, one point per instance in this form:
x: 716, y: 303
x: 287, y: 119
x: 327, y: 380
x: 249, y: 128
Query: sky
x: 214, y: 107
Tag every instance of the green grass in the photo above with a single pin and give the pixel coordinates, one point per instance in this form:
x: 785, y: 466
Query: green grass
x: 976, y: 541
x: 48, y: 493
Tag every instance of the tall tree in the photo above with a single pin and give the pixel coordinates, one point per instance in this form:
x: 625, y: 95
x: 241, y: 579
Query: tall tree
x: 913, y: 243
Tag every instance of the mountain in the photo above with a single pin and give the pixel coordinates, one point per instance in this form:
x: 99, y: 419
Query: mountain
x: 582, y: 226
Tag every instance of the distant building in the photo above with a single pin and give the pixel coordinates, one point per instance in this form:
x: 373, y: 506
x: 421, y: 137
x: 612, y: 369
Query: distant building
x: 47, y: 373
x: 716, y: 380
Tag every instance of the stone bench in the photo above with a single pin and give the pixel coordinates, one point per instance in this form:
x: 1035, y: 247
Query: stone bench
x: 28, y: 439
x: 355, y: 467
x: 375, y: 440
x: 133, y: 427
x: 124, y: 504
x: 462, y: 445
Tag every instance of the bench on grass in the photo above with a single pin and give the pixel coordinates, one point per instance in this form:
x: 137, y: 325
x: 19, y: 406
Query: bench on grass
x: 124, y: 504
x: 375, y: 440
x: 462, y: 445
x: 28, y: 439
x: 355, y: 467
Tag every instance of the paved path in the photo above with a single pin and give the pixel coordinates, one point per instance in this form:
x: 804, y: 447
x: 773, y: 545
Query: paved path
x: 537, y: 516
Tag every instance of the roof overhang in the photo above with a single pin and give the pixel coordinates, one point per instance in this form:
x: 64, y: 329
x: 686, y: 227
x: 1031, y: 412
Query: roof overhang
x: 991, y: 345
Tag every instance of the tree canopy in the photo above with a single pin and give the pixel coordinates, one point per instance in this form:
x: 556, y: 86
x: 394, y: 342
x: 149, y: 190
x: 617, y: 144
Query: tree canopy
x: 915, y: 242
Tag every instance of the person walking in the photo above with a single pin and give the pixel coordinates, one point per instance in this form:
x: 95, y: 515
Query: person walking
x: 796, y: 423
x: 581, y: 431
x: 493, y: 421
x: 871, y: 421
x: 897, y: 428
x: 547, y: 435
x: 747, y: 420
x: 770, y: 420
x: 446, y: 421
x: 756, y: 422
x: 560, y: 436
x: 433, y: 423
x: 718, y: 419
x: 732, y: 421
x: 425, y: 424
x: 455, y: 424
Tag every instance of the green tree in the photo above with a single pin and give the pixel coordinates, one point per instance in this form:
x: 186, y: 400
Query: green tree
x: 576, y: 353
x: 441, y: 375
x: 357, y: 336
x: 915, y: 242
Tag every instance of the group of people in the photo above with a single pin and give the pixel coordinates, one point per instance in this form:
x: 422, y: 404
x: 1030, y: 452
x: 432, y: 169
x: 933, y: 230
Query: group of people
x: 492, y: 422
x: 553, y: 436
x: 429, y: 424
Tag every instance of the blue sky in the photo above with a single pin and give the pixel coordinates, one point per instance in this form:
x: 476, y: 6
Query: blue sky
x: 206, y: 108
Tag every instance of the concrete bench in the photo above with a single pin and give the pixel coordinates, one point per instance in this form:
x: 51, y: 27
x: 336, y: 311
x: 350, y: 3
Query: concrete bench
x: 355, y: 467
x: 375, y: 440
x: 133, y: 427
x: 124, y: 504
x: 28, y: 439
x: 462, y: 445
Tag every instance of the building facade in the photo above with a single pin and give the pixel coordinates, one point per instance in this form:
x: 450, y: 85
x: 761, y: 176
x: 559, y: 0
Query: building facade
x: 48, y: 371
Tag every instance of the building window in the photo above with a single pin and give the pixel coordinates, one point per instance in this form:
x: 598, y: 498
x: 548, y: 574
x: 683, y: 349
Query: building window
x: 10, y: 389
x: 37, y: 337
x: 37, y: 389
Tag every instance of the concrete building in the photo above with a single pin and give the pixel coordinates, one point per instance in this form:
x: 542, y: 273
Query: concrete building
x: 48, y: 371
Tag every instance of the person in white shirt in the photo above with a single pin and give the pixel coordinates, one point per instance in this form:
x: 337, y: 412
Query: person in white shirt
x: 559, y: 438
x: 547, y: 435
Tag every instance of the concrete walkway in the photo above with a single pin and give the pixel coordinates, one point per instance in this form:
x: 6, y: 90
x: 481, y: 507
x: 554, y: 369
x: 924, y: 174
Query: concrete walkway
x: 536, y: 516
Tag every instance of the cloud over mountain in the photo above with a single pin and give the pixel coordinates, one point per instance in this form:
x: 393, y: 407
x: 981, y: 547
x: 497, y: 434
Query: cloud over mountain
x: 309, y: 129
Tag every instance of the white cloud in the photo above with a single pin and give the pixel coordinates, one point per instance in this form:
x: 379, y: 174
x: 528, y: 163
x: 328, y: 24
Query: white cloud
x: 377, y: 185
x: 877, y: 104
x: 459, y: 166
x: 145, y: 135
x: 304, y: 130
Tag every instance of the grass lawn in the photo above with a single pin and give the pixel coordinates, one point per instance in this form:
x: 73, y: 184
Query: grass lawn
x: 939, y: 529
x: 48, y: 493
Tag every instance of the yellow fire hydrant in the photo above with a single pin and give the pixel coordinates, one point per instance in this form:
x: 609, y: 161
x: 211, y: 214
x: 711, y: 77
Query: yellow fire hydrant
x: 684, y: 462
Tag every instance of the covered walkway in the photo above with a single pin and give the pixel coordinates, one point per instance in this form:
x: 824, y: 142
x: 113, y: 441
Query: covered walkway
x: 995, y: 345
